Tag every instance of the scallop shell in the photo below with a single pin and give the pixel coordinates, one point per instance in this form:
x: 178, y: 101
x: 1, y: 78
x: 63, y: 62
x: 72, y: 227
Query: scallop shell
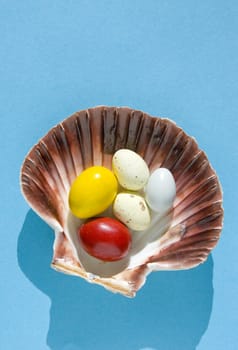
x: 181, y: 239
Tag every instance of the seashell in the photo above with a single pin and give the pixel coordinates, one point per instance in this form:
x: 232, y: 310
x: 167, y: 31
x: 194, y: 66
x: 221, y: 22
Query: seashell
x: 180, y: 239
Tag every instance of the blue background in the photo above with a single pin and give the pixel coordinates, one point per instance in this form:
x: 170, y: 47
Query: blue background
x: 167, y: 57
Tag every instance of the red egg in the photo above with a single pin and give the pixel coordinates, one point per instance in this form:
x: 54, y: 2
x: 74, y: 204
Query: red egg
x: 105, y: 238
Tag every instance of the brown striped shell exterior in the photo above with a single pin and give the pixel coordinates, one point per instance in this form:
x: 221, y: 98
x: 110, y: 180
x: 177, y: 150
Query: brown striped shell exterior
x: 91, y: 137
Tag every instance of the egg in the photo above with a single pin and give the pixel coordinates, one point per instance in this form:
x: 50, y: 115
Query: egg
x: 130, y: 169
x: 105, y: 238
x: 160, y: 190
x: 132, y: 210
x: 92, y: 192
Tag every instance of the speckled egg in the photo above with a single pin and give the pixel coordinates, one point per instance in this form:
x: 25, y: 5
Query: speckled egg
x: 130, y: 169
x: 132, y: 210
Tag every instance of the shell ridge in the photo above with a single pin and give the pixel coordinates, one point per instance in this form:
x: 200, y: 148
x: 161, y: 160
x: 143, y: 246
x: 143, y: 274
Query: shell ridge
x: 139, y: 129
x: 203, y: 196
x: 188, y: 243
x: 212, y: 211
x: 110, y: 125
x: 173, y: 152
x: 208, y: 188
x: 90, y: 139
x: 134, y: 129
x: 44, y: 183
x: 144, y: 142
x: 176, y: 260
x: 84, y: 137
x: 27, y: 179
x: 102, y: 135
x: 96, y: 134
x: 194, y: 229
x: 198, y: 166
x: 195, y: 209
x: 193, y: 161
x: 79, y: 138
x: 155, y: 142
x: 61, y: 144
x: 27, y: 173
x: 170, y: 140
x: 54, y: 174
x: 42, y: 204
x: 182, y: 159
x: 122, y: 117
x: 39, y: 190
x: 164, y: 141
x: 71, y: 169
x: 201, y: 247
x: 57, y: 158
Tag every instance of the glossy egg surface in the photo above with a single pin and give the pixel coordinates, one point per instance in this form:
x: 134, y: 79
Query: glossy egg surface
x: 92, y: 192
x: 161, y: 190
x: 105, y: 238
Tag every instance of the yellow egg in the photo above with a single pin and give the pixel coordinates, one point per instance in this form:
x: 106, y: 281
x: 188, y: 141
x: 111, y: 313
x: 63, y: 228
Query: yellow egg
x: 92, y: 192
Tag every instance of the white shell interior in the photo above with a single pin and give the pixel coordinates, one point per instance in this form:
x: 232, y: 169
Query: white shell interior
x: 144, y: 244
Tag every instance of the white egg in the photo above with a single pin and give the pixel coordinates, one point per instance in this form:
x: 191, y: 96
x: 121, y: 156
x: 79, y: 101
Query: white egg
x: 132, y: 210
x: 160, y: 190
x: 130, y: 169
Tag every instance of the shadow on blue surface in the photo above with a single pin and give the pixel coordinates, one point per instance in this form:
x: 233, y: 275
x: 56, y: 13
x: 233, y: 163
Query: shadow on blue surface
x: 171, y: 312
